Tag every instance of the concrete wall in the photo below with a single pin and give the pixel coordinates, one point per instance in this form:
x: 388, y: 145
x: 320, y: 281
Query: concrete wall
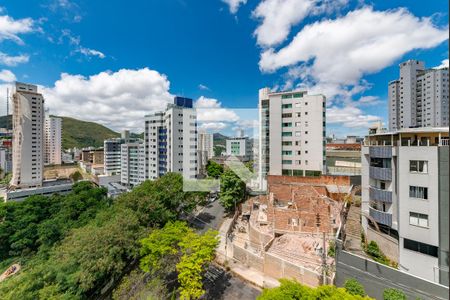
x: 388, y: 244
x: 246, y: 257
x: 376, y: 278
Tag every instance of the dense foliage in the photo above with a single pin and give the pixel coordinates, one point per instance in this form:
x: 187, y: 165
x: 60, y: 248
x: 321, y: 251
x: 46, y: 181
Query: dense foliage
x: 214, y: 169
x: 176, y: 246
x: 354, y: 287
x: 393, y: 294
x: 293, y: 290
x: 76, y: 244
x: 232, y: 190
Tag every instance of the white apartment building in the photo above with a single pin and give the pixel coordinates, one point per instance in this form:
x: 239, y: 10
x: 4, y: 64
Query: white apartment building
x: 239, y: 146
x: 292, y: 134
x: 419, y: 98
x: 205, y: 150
x: 52, y: 140
x: 132, y: 170
x: 28, y: 136
x: 171, y: 140
x: 112, y: 153
x: 405, y: 198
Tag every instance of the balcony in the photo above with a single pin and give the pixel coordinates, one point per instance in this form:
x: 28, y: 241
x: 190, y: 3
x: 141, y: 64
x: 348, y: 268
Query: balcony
x: 381, y: 217
x: 380, y: 151
x: 380, y: 173
x: 380, y: 195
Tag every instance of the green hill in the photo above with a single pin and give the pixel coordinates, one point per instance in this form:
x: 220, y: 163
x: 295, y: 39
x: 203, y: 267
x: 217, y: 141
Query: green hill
x: 77, y: 133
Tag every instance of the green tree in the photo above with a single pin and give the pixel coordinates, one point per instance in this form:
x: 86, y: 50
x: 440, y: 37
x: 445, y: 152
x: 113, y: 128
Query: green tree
x: 232, y: 190
x: 177, y: 245
x: 214, y: 169
x: 394, y: 294
x: 76, y: 176
x: 290, y: 289
x: 354, y: 287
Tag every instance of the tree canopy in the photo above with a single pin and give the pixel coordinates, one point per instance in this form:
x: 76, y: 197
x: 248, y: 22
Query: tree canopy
x: 232, y: 190
x: 292, y: 290
x: 214, y: 169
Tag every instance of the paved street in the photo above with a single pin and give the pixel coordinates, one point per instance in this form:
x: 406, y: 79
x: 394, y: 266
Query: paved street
x: 222, y: 285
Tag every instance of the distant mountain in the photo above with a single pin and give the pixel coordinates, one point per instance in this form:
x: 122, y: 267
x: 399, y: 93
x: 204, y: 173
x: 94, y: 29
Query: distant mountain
x: 77, y: 133
x: 219, y: 139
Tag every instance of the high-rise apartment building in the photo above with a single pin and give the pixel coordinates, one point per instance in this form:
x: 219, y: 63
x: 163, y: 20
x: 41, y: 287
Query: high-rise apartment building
x: 112, y: 152
x: 132, y: 164
x: 419, y: 98
x: 292, y: 134
x: 405, y: 198
x: 205, y: 150
x: 52, y: 140
x: 28, y: 136
x: 171, y: 140
x: 239, y: 146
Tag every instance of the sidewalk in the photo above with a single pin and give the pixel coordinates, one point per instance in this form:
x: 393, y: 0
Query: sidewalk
x: 225, y: 258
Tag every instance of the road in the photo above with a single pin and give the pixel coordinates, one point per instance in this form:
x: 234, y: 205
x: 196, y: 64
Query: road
x: 221, y: 285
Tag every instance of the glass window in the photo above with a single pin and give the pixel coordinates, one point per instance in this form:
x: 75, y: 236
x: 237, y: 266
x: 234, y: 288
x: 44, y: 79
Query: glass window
x: 417, y: 219
x: 286, y: 134
x: 418, y: 192
x: 286, y: 162
x: 420, y: 247
x: 418, y: 166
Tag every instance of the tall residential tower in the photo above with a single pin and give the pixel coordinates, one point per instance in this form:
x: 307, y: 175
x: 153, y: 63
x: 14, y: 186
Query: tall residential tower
x: 292, y: 134
x: 28, y: 136
x: 419, y: 98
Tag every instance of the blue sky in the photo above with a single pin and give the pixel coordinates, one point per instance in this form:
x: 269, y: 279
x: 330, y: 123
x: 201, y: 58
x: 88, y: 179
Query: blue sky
x: 123, y: 60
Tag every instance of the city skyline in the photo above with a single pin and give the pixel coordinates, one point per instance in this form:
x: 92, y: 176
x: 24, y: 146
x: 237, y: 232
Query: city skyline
x: 195, y: 49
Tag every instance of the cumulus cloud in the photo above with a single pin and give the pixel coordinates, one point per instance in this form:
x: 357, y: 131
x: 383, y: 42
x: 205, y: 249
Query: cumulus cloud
x: 444, y: 64
x: 338, y: 52
x: 278, y: 16
x: 234, y: 4
x: 118, y: 100
x: 350, y: 117
x: 213, y: 126
x: 12, y: 61
x: 211, y: 110
x: 7, y: 76
x: 10, y: 29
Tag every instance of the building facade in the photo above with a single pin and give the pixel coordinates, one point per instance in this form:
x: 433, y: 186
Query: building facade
x: 419, y: 98
x: 112, y: 153
x: 52, y: 140
x: 171, y: 140
x: 239, y: 146
x: 292, y: 134
x: 405, y: 197
x: 205, y: 150
x: 132, y: 170
x: 28, y: 136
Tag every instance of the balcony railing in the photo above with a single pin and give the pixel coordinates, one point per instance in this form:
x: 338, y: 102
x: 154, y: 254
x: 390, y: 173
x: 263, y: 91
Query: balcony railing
x: 380, y: 152
x: 380, y: 195
x: 380, y: 216
x: 380, y: 173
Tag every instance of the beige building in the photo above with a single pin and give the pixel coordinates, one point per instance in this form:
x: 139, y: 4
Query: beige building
x: 52, y: 140
x: 28, y: 136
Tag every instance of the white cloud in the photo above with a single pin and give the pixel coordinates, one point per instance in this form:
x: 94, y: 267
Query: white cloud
x: 213, y: 126
x: 91, y: 52
x: 277, y: 17
x: 234, y: 4
x: 203, y: 87
x: 210, y: 110
x: 338, y: 52
x: 10, y: 29
x: 350, y: 116
x: 12, y: 61
x: 117, y: 100
x: 444, y: 64
x: 7, y: 76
